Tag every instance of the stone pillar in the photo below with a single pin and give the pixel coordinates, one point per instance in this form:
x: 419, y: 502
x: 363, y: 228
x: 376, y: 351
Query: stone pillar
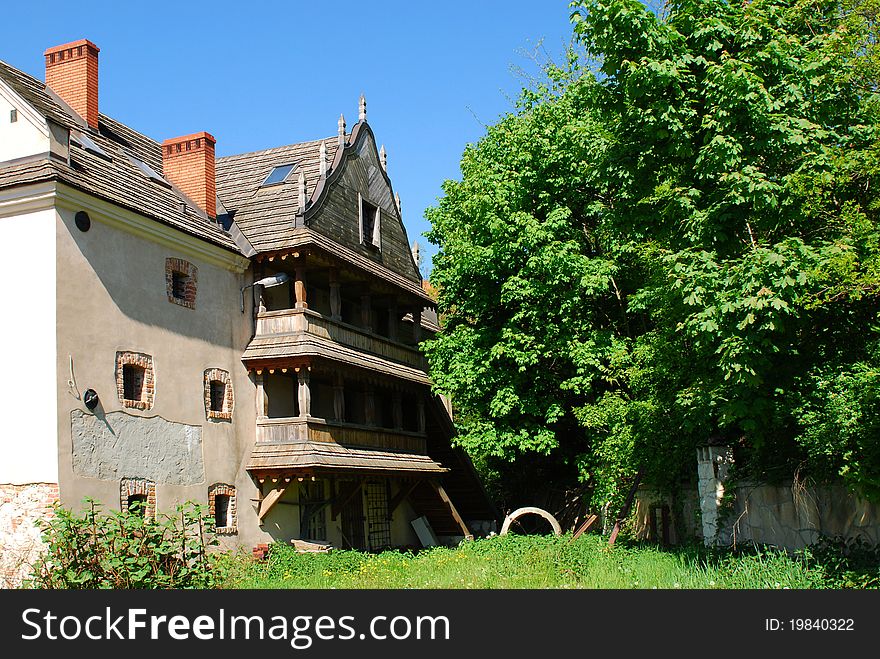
x: 713, y: 468
x: 393, y: 322
x: 366, y: 311
x: 369, y: 405
x: 339, y: 398
x: 299, y: 287
x: 261, y: 402
x: 303, y: 393
x: 397, y: 407
x: 335, y: 296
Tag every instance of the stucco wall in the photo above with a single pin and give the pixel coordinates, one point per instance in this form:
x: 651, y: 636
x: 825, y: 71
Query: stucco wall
x: 28, y: 359
x: 111, y: 297
x: 22, y: 137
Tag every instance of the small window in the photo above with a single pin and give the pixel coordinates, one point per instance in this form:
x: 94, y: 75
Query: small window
x: 147, y: 171
x: 13, y: 116
x: 137, y: 504
x: 88, y: 144
x: 133, y: 382
x: 181, y: 278
x: 370, y: 221
x: 219, y: 399
x: 221, y: 511
x: 218, y: 395
x: 221, y: 506
x: 278, y: 174
x: 178, y: 285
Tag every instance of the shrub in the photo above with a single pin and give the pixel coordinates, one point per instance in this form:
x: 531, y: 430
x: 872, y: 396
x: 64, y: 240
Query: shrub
x: 108, y: 549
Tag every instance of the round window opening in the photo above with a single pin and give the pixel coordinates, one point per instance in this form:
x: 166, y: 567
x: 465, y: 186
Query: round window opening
x: 83, y: 221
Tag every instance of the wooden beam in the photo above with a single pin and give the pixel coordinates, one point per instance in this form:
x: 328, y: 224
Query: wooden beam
x: 271, y: 499
x: 445, y: 498
x: 403, y: 493
x: 344, y: 498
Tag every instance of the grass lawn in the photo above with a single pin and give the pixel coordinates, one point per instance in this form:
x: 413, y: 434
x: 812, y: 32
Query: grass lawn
x: 547, y: 562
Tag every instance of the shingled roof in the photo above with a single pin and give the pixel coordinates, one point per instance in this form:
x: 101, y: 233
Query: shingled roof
x: 265, y: 214
x: 113, y: 176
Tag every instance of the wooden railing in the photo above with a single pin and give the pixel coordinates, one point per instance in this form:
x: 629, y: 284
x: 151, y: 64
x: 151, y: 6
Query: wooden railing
x: 287, y: 321
x: 297, y: 429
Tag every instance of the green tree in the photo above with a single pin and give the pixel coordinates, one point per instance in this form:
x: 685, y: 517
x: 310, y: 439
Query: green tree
x: 677, y: 244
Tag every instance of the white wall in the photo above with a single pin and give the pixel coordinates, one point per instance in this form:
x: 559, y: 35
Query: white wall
x: 21, y: 138
x: 28, y: 402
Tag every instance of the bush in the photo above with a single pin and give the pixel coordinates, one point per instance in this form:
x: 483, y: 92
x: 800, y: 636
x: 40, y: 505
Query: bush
x: 98, y: 549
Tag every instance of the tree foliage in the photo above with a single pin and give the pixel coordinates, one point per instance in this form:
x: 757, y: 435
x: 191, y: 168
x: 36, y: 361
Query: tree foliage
x: 674, y: 240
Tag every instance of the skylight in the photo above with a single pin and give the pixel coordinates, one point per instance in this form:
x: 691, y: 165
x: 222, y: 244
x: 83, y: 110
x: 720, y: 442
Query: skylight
x: 86, y: 143
x: 279, y: 174
x: 148, y: 171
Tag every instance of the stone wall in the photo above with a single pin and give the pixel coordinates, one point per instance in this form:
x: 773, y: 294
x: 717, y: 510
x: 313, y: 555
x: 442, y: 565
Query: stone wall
x: 20, y: 543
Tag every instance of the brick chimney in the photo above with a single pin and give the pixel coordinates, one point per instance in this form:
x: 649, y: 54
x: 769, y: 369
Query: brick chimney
x: 189, y: 164
x: 72, y: 73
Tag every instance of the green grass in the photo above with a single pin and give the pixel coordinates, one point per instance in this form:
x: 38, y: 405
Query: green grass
x: 541, y: 562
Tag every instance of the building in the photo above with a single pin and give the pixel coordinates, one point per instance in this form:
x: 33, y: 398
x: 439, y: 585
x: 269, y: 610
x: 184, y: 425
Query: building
x: 239, y: 331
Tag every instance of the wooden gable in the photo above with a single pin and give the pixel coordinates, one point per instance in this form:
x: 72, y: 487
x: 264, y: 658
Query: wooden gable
x: 336, y: 213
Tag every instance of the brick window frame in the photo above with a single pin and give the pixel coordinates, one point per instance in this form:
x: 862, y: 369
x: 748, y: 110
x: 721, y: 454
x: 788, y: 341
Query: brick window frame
x: 190, y: 275
x: 219, y: 375
x: 231, y: 512
x: 145, y: 362
x: 131, y: 487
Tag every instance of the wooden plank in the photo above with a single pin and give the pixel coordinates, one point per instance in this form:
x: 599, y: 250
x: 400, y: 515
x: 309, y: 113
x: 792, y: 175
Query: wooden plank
x: 583, y: 527
x: 398, y: 498
x: 344, y: 498
x: 458, y: 520
x: 270, y: 500
x: 624, y: 512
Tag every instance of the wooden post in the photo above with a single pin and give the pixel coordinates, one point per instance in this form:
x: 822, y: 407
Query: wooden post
x: 335, y: 296
x: 366, y: 311
x: 417, y: 324
x: 339, y: 398
x: 261, y: 400
x: 458, y: 520
x: 397, y: 403
x: 299, y: 286
x: 393, y: 322
x: 304, y: 395
x: 271, y: 499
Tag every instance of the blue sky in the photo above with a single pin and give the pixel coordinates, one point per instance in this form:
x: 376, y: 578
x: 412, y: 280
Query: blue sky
x: 262, y: 74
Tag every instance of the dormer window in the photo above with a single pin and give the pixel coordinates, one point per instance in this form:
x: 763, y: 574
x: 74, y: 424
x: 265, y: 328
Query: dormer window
x: 370, y: 223
x: 278, y: 174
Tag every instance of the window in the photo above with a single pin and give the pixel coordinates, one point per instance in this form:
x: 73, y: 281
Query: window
x: 138, y: 495
x: 278, y: 174
x: 219, y: 399
x: 222, y: 507
x: 313, y: 515
x: 181, y: 278
x: 137, y: 504
x: 221, y: 510
x: 178, y: 285
x: 135, y: 380
x: 370, y: 220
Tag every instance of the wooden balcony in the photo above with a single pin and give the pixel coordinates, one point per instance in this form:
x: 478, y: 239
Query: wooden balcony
x: 311, y: 429
x: 291, y: 321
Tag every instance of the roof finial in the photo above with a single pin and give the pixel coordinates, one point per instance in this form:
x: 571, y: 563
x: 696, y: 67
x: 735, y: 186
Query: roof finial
x: 302, y: 191
x: 341, y: 125
x: 323, y: 158
x: 416, y: 253
x: 362, y: 109
x: 383, y: 158
x: 397, y: 201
